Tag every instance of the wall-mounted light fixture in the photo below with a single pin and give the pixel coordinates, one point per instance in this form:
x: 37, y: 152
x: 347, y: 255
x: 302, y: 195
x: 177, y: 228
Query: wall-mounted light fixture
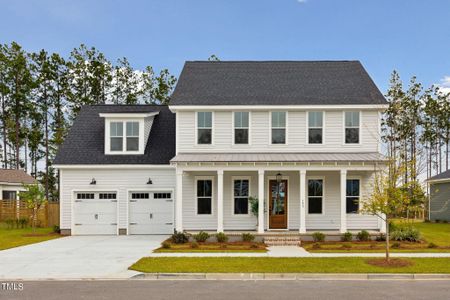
x: 279, y: 177
x: 93, y: 181
x: 149, y: 181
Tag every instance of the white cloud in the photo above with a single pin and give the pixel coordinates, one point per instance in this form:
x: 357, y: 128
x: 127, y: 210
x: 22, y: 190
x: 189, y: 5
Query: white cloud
x: 301, y: 1
x: 444, y: 85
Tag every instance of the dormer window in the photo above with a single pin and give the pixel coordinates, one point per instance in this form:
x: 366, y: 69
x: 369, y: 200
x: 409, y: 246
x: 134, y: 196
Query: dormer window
x: 132, y: 136
x: 116, y: 136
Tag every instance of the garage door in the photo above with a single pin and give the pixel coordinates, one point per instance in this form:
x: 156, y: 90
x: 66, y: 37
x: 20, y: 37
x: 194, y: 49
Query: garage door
x: 151, y: 213
x: 95, y: 213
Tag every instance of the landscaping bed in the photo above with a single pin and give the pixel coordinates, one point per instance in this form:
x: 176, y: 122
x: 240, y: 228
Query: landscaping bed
x: 10, y: 238
x: 213, y: 247
x: 372, y: 247
x: 288, y: 265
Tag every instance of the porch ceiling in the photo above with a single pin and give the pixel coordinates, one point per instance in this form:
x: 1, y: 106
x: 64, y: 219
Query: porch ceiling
x: 278, y: 157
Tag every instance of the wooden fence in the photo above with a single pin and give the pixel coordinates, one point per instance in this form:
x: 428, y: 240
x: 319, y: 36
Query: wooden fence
x: 48, y: 215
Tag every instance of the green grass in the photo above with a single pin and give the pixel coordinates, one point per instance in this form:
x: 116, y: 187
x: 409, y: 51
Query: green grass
x: 10, y: 238
x: 438, y: 233
x: 282, y: 265
x: 234, y: 247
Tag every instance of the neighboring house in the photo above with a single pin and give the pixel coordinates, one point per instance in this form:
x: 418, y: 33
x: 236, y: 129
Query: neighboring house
x: 11, y: 183
x: 301, y: 137
x: 440, y: 197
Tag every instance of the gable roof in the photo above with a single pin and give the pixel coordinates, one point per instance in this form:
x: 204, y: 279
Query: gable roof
x: 15, y: 176
x: 85, y: 143
x: 442, y: 176
x: 275, y: 83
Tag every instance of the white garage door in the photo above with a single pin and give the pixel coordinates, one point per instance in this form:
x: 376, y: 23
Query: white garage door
x: 151, y: 213
x: 95, y: 213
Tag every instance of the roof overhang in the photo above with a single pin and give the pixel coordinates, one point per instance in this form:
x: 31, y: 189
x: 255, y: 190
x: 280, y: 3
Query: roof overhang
x: 111, y: 166
x: 442, y: 180
x: 128, y: 115
x: 380, y: 107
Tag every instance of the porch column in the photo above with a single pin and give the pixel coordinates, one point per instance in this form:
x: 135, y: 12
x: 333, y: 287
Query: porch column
x: 302, y: 201
x: 179, y: 201
x: 219, y: 200
x: 343, y: 227
x: 260, y: 201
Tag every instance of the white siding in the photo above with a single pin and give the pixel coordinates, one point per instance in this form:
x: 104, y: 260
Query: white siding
x: 119, y: 180
x: 296, y: 133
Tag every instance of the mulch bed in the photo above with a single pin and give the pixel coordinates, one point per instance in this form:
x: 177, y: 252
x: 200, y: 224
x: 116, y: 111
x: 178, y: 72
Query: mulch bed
x: 391, y: 263
x: 40, y: 234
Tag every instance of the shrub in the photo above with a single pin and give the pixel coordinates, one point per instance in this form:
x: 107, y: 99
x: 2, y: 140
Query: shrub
x: 381, y: 237
x: 437, y: 221
x: 395, y: 245
x: 248, y: 237
x: 201, y: 236
x: 223, y: 246
x: 408, y: 233
x: 56, y: 229
x: 363, y: 236
x: 318, y: 237
x: 10, y: 223
x: 166, y: 245
x: 23, y: 222
x: 347, y: 237
x: 392, y: 226
x: 194, y: 245
x: 427, y: 221
x: 445, y: 221
x: 432, y: 245
x: 222, y: 237
x: 180, y: 238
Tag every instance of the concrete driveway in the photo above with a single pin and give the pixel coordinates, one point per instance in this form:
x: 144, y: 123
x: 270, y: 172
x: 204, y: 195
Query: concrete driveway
x: 77, y: 257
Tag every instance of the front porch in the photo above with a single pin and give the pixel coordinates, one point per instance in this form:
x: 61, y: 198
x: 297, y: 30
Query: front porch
x: 313, y: 196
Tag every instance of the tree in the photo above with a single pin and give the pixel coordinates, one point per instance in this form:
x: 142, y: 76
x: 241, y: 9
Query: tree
x: 34, y: 196
x: 213, y: 57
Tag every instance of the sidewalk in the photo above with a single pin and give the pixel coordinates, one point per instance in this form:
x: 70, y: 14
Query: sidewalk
x: 293, y: 251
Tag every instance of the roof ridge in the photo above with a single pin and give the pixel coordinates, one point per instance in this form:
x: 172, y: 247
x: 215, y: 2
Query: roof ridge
x: 269, y: 61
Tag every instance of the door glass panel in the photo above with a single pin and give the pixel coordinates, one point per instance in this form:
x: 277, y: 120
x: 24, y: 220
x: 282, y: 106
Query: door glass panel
x: 278, y: 191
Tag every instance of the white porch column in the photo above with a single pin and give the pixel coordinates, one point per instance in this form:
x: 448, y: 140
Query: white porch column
x: 302, y: 201
x: 179, y: 201
x: 260, y: 201
x: 343, y: 227
x: 219, y: 200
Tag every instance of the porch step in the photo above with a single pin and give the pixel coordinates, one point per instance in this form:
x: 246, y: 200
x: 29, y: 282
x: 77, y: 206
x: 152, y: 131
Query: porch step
x: 282, y: 240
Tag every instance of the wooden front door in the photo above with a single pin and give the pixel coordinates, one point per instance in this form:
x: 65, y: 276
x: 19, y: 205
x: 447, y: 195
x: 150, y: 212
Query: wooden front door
x: 278, y: 200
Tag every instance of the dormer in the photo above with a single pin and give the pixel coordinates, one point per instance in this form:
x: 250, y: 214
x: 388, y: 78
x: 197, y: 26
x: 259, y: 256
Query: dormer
x: 127, y: 133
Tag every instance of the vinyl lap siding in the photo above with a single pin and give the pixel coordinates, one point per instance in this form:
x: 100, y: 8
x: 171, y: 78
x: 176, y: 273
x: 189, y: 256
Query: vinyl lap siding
x: 440, y: 201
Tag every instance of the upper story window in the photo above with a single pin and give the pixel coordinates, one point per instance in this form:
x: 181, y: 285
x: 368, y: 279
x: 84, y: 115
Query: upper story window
x: 315, y: 127
x: 117, y: 140
x: 204, y: 127
x: 352, y: 127
x: 241, y: 127
x: 278, y: 127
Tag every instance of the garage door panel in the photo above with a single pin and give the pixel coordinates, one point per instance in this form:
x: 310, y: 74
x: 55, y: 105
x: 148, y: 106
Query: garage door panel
x: 96, y: 229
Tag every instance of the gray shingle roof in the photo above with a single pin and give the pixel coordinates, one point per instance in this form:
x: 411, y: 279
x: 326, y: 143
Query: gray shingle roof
x: 443, y: 175
x: 85, y: 141
x: 279, y: 157
x: 15, y: 176
x: 275, y: 83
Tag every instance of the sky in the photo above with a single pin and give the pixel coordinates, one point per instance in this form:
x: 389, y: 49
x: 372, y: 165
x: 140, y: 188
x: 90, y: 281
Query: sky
x: 410, y: 36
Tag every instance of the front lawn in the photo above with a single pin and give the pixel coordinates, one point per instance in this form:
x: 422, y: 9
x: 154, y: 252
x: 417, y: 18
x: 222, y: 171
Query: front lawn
x: 213, y: 247
x: 283, y: 265
x: 438, y: 233
x: 10, y: 238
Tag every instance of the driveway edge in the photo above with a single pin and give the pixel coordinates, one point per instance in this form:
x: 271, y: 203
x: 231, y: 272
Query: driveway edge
x: 288, y: 276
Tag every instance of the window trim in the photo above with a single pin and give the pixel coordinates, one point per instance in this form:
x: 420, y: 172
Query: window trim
x: 323, y: 127
x: 359, y: 197
x: 196, y: 128
x: 286, y: 126
x: 124, y: 121
x: 344, y: 127
x: 323, y: 194
x: 233, y: 128
x: 212, y: 178
x: 233, y: 178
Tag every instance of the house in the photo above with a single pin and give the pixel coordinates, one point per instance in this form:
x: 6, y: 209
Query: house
x: 300, y: 137
x: 11, y: 183
x: 439, y: 197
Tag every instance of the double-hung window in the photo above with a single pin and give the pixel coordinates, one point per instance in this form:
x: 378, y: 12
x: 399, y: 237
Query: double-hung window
x: 352, y: 127
x: 278, y: 127
x: 315, y: 127
x: 204, y: 196
x: 119, y: 142
x: 352, y: 196
x: 116, y: 136
x: 132, y: 136
x: 241, y: 127
x: 241, y: 194
x: 315, y: 196
x: 204, y: 127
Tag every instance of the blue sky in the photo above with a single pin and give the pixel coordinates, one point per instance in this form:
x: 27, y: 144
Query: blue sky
x: 411, y: 36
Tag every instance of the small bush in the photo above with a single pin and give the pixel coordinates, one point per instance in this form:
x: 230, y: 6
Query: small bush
x: 254, y: 246
x: 223, y: 246
x: 10, y: 223
x: 437, y: 221
x: 381, y: 237
x: 392, y: 226
x: 318, y: 237
x: 194, y: 245
x: 222, y: 237
x: 316, y: 246
x: 395, y: 245
x: 363, y: 236
x: 23, y: 222
x: 432, y: 245
x: 347, y: 237
x: 427, y: 221
x: 201, y: 236
x: 445, y: 221
x: 55, y: 229
x: 180, y: 238
x: 166, y: 245
x: 248, y: 237
x: 408, y: 233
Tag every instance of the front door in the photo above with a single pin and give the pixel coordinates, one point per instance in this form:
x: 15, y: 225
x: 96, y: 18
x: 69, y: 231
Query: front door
x: 278, y: 200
